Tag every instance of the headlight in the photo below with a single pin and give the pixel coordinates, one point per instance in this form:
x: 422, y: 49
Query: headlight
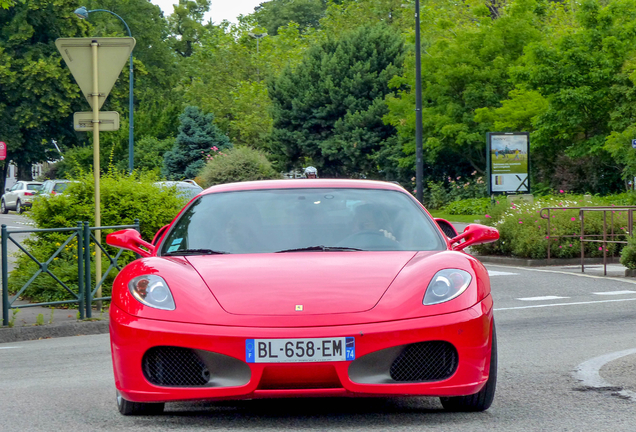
x: 152, y: 291
x: 446, y: 285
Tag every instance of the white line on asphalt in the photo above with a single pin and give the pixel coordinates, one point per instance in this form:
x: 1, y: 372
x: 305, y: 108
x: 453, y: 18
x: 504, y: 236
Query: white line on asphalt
x: 614, y: 292
x: 588, y: 372
x: 498, y: 273
x: 615, y: 279
x: 541, y: 298
x: 9, y: 347
x: 564, y: 304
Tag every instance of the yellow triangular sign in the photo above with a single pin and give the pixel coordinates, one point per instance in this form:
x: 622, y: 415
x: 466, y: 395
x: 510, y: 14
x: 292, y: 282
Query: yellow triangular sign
x: 112, y: 54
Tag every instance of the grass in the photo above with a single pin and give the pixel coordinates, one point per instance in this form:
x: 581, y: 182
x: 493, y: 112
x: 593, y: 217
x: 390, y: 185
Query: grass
x: 455, y: 218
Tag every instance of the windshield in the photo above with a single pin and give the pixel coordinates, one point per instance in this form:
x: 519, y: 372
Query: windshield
x: 33, y: 187
x: 286, y: 220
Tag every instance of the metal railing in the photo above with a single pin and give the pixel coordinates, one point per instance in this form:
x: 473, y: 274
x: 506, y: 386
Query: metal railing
x: 604, y: 238
x: 85, y: 295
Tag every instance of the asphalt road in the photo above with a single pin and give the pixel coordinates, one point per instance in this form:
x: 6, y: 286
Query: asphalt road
x: 548, y: 323
x: 15, y: 221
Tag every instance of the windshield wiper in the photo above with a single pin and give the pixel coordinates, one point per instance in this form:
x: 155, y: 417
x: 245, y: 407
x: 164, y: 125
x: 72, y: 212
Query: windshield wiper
x: 195, y: 252
x: 321, y: 249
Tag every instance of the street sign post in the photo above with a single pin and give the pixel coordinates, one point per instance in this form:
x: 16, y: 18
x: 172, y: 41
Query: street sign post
x: 95, y: 64
x: 634, y: 143
x: 3, y: 151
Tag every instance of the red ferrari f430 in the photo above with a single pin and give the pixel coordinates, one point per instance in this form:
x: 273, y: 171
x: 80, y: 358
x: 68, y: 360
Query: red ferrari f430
x: 311, y: 287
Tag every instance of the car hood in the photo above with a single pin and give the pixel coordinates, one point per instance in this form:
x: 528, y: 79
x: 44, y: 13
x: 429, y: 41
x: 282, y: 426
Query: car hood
x: 301, y: 282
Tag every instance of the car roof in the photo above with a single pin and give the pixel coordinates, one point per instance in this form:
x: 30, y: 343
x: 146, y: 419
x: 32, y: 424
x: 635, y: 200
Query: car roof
x: 303, y: 184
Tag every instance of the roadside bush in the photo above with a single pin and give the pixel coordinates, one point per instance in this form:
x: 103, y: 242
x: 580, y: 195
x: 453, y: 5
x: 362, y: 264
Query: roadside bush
x: 124, y: 198
x: 236, y: 165
x: 524, y: 233
x: 440, y: 194
x: 471, y: 206
x: 628, y: 254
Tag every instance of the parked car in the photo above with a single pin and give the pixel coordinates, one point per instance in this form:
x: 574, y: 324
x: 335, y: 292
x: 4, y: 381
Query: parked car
x: 20, y: 196
x: 326, y: 288
x: 187, y: 189
x: 54, y: 187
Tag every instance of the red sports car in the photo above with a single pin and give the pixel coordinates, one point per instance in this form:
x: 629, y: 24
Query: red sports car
x: 293, y: 288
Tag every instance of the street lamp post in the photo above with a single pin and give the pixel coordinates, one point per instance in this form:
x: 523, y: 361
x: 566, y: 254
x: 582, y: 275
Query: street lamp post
x: 258, y: 37
x: 419, y: 167
x: 82, y: 13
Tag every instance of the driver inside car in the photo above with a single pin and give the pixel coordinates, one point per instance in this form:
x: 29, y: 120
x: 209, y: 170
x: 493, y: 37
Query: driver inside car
x: 369, y: 218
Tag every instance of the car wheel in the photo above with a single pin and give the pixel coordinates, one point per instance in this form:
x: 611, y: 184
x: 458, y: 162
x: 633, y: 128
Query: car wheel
x: 481, y: 400
x: 127, y: 407
x: 3, y: 208
x: 18, y: 207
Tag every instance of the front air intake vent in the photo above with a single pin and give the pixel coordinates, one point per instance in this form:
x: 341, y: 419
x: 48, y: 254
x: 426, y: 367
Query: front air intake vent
x: 174, y: 367
x: 425, y: 361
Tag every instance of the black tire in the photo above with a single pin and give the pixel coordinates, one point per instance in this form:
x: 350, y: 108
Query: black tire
x: 481, y: 400
x: 3, y: 208
x: 18, y: 207
x: 127, y: 407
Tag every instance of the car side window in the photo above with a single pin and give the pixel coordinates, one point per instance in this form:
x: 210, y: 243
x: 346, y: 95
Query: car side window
x: 16, y: 187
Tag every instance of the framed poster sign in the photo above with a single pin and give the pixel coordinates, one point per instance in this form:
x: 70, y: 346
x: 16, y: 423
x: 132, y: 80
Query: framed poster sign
x: 508, y: 162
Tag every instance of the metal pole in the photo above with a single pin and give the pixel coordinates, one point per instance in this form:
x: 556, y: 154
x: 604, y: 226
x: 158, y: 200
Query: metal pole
x: 80, y: 272
x: 5, y: 278
x: 419, y: 167
x: 96, y: 172
x: 131, y: 113
x: 88, y: 289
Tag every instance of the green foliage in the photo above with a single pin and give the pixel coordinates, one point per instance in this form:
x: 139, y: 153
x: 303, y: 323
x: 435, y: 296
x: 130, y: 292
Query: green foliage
x: 523, y: 228
x: 39, y: 319
x: 149, y: 153
x: 37, y: 93
x: 470, y: 206
x: 237, y: 164
x: 278, y: 13
x: 628, y: 254
x: 329, y: 109
x: 197, y: 135
x: 124, y: 199
x: 440, y: 194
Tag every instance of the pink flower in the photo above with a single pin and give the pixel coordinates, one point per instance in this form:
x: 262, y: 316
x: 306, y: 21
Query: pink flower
x: 487, y: 216
x: 547, y: 237
x: 560, y: 246
x: 573, y: 219
x: 561, y: 191
x: 520, y: 222
x: 570, y: 245
x: 497, y: 202
x: 600, y: 248
x: 215, y: 148
x: 552, y: 215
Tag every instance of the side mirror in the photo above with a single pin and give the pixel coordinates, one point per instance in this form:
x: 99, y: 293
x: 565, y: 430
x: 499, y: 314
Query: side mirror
x: 7, y: 190
x: 157, y: 236
x: 475, y: 234
x: 446, y: 227
x: 130, y: 239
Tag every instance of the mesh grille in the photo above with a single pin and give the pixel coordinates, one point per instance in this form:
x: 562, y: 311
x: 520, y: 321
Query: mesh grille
x: 174, y: 367
x: 425, y: 361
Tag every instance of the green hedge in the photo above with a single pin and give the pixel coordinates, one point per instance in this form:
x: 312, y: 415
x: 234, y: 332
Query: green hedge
x: 124, y: 199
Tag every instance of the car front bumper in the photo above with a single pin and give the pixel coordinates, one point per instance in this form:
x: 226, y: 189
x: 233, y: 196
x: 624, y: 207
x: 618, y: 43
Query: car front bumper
x: 223, y: 349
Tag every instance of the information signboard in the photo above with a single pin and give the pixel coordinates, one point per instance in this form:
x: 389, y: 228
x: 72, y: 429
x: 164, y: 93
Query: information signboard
x: 508, y: 162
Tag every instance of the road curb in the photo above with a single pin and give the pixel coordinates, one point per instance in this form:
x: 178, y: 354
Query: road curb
x: 527, y: 262
x: 25, y: 333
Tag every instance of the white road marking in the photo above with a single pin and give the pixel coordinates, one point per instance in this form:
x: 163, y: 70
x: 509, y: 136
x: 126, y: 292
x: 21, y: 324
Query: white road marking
x: 498, y: 273
x: 588, y: 372
x: 9, y: 347
x: 614, y: 279
x: 565, y: 304
x: 541, y: 298
x: 614, y: 292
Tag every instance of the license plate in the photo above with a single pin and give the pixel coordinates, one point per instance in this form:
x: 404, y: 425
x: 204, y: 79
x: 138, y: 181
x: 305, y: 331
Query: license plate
x: 300, y: 350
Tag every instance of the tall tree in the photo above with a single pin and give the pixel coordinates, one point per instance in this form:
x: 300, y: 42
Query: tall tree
x: 37, y: 94
x: 279, y: 13
x: 329, y: 108
x: 197, y: 137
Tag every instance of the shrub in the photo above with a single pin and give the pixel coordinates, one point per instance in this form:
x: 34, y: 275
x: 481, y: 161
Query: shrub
x: 236, y: 165
x: 628, y: 254
x: 524, y: 233
x: 124, y: 199
x: 471, y: 206
x: 442, y: 193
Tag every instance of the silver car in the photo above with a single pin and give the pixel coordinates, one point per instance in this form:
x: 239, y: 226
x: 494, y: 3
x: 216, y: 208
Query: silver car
x: 20, y: 196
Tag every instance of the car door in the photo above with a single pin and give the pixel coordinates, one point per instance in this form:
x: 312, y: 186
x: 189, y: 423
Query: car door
x: 10, y: 197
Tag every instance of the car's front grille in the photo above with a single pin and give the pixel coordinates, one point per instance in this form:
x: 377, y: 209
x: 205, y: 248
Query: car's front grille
x: 174, y: 367
x: 425, y: 361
